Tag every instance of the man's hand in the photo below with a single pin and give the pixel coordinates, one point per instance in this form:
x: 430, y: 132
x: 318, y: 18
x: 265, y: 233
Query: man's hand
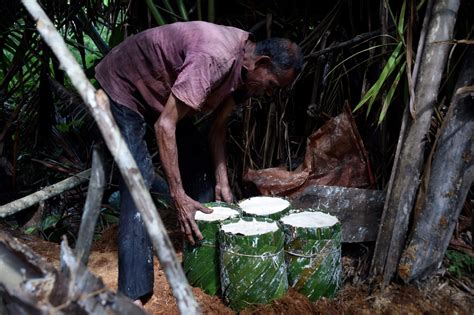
x: 223, y: 193
x: 187, y: 208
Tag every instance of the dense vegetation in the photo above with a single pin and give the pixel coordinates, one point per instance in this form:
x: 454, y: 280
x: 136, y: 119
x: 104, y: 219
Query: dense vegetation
x: 47, y: 134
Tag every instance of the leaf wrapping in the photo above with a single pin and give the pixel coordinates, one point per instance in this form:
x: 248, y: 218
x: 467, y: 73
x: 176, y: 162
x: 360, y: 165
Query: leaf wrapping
x: 201, y: 262
x: 253, y: 269
x: 313, y: 257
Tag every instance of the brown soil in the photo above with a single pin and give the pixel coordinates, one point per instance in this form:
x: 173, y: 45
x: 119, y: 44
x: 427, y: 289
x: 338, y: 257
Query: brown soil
x: 437, y: 296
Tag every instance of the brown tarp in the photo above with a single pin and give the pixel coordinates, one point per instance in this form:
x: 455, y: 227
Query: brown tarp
x: 335, y: 156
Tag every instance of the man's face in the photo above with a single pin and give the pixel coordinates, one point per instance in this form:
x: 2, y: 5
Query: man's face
x: 261, y: 80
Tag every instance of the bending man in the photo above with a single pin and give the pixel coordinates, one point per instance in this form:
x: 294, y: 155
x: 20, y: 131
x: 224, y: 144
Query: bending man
x: 164, y: 74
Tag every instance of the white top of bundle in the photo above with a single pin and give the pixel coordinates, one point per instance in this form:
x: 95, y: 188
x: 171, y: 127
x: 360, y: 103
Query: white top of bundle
x: 253, y: 227
x: 264, y: 205
x: 308, y: 219
x: 219, y: 214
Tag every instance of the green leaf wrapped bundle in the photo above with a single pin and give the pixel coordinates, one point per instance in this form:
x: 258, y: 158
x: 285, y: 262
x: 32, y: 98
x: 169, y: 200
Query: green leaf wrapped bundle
x: 264, y: 206
x: 253, y: 269
x: 313, y: 253
x: 201, y: 262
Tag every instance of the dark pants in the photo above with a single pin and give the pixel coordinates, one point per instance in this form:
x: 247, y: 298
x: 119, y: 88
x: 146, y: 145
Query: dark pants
x: 134, y: 246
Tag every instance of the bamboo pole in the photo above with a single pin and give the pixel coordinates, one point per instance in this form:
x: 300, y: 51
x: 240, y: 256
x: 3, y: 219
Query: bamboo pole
x: 43, y: 194
x: 405, y: 177
x: 448, y: 175
x: 98, y: 104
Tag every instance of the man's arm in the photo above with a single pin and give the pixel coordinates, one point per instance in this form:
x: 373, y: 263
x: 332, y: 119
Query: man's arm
x: 165, y: 130
x: 217, y: 137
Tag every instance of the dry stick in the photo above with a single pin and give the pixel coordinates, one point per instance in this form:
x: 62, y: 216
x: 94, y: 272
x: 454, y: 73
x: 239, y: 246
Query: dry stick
x: 100, y: 108
x: 359, y: 38
x: 91, y: 208
x: 43, y: 194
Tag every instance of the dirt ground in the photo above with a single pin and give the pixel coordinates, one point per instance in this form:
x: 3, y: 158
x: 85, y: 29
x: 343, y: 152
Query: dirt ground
x: 437, y: 296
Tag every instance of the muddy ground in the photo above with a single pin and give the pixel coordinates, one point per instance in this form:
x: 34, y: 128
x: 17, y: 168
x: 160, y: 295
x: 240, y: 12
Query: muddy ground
x: 436, y: 296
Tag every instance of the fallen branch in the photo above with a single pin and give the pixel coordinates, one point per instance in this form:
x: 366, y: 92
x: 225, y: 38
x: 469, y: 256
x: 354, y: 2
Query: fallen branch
x: 43, y: 194
x: 98, y: 103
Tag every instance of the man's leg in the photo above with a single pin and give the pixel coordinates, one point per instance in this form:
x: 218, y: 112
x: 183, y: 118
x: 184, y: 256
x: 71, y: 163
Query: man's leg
x: 135, y: 249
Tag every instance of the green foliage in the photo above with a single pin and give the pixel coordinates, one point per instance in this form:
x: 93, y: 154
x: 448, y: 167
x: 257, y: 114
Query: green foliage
x: 393, y: 65
x: 460, y: 264
x: 47, y: 228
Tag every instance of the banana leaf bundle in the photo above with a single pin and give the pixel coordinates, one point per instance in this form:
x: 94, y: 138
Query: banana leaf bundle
x: 253, y: 269
x: 264, y: 206
x: 313, y: 253
x: 201, y: 262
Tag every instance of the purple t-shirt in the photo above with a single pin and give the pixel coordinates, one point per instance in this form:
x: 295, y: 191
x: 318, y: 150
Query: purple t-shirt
x: 199, y: 62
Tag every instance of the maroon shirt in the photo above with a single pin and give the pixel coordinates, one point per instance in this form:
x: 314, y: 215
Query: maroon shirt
x: 199, y: 62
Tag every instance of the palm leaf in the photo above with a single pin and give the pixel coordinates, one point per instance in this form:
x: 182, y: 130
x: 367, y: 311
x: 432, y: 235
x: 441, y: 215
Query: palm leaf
x: 388, y: 98
x: 390, y: 66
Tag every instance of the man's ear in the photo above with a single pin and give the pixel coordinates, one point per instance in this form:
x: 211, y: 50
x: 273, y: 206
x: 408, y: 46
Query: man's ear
x: 263, y: 61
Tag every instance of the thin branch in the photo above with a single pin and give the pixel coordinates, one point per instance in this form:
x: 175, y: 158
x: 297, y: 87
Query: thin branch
x: 43, y: 194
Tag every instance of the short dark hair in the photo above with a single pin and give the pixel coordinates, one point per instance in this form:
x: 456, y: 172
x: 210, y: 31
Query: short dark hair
x: 284, y: 54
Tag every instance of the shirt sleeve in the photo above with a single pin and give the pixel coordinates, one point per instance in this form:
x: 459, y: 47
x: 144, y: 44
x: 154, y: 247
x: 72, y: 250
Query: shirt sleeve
x: 198, y: 76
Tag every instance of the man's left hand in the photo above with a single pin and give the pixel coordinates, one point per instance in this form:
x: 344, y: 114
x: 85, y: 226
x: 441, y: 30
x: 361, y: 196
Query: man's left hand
x: 223, y: 193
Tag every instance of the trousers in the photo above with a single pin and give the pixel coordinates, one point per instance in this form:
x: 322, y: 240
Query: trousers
x: 135, y: 251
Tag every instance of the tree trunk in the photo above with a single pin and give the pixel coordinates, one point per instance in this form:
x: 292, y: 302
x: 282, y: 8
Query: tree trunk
x: 98, y: 104
x: 448, y: 177
x: 405, y: 176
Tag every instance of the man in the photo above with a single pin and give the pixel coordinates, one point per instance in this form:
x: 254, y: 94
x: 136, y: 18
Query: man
x: 165, y: 74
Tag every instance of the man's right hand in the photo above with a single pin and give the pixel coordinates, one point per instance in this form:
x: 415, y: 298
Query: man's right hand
x: 187, y: 207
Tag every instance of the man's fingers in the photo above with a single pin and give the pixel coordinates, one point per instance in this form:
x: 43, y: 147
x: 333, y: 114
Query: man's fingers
x: 229, y: 198
x: 188, y: 232
x: 190, y: 238
x: 205, y: 210
x: 196, y: 230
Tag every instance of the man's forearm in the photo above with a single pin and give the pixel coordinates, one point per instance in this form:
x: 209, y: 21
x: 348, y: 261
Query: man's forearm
x: 166, y: 137
x: 165, y: 130
x: 217, y: 144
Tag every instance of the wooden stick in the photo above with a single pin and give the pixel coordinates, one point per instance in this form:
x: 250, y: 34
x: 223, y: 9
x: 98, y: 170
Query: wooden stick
x: 43, y: 194
x: 98, y: 103
x: 91, y: 208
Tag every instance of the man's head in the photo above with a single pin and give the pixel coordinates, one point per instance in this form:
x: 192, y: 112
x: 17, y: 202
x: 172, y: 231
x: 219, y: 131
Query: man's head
x: 274, y: 63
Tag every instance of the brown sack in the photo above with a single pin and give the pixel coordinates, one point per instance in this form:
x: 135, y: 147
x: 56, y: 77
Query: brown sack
x: 335, y: 156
